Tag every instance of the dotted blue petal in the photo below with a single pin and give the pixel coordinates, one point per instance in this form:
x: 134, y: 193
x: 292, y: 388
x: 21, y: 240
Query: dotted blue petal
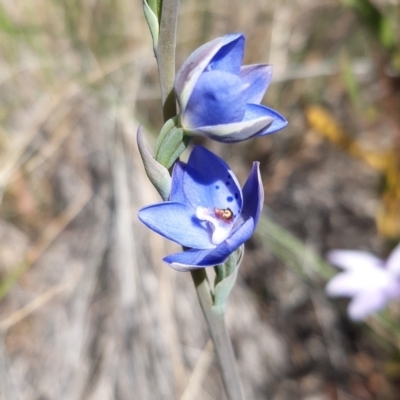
x: 176, y: 222
x: 209, y: 182
x: 216, y: 99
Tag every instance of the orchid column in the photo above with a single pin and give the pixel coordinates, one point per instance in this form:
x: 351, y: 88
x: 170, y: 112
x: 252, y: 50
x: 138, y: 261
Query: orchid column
x: 204, y: 208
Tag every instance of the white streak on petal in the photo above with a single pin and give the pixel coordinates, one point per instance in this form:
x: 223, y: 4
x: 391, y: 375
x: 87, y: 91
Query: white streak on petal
x: 234, y: 132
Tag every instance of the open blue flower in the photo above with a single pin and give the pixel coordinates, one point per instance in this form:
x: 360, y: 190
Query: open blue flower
x: 220, y: 99
x: 207, y: 212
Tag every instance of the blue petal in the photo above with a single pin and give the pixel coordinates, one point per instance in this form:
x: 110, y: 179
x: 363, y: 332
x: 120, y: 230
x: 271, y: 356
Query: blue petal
x: 256, y: 111
x: 209, y: 182
x: 253, y: 195
x: 229, y: 57
x: 238, y: 237
x: 177, y: 193
x: 176, y: 222
x: 189, y: 260
x: 195, y: 259
x: 216, y: 99
x: 195, y: 65
x: 258, y: 78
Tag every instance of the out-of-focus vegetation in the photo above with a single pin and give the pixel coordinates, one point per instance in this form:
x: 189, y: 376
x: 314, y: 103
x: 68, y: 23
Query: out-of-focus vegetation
x: 87, y: 310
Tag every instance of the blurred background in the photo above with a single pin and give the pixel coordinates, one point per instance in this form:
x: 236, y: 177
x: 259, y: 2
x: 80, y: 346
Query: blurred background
x: 87, y: 309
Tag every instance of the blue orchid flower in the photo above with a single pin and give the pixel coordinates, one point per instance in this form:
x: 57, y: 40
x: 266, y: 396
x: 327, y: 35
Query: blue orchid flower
x: 219, y: 98
x: 207, y: 211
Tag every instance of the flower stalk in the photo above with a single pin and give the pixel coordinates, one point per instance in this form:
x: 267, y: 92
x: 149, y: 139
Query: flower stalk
x: 215, y: 318
x: 164, y: 46
x: 204, y: 208
x: 165, y: 54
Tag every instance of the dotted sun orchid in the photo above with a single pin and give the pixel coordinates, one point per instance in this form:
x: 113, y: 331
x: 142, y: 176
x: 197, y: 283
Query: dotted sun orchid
x: 370, y: 281
x: 219, y: 98
x: 207, y: 212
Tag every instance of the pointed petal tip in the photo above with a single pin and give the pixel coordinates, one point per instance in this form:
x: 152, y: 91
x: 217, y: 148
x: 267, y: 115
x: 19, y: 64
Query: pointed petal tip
x: 230, y: 37
x: 277, y: 125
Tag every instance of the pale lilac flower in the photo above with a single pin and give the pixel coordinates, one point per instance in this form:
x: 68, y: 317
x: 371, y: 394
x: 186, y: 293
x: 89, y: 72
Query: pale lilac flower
x: 368, y: 280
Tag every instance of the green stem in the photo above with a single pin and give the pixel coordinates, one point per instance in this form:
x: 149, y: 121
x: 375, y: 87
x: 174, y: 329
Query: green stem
x: 215, y: 317
x: 222, y: 344
x: 165, y: 53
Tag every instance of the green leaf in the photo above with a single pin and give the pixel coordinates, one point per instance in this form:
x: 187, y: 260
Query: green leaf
x: 226, y: 278
x: 156, y: 6
x: 293, y: 252
x: 171, y: 143
x: 151, y: 14
x: 158, y: 175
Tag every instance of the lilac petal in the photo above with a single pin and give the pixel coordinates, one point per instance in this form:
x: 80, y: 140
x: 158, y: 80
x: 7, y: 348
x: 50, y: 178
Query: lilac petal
x: 346, y: 284
x: 209, y: 182
x: 258, y: 77
x: 176, y: 222
x: 353, y: 259
x: 229, y: 58
x: 257, y: 111
x: 193, y: 67
x: 177, y: 193
x: 366, y: 303
x: 235, y: 132
x: 253, y: 194
x: 352, y: 281
x: 216, y: 99
x: 393, y: 262
x: 195, y: 259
